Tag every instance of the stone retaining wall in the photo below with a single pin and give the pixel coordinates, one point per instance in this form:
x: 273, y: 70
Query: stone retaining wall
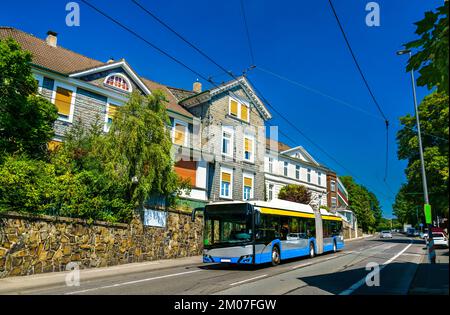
x: 37, y: 244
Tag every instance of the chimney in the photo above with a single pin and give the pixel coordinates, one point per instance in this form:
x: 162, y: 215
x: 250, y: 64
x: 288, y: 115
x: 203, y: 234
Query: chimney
x: 52, y: 38
x: 197, y: 87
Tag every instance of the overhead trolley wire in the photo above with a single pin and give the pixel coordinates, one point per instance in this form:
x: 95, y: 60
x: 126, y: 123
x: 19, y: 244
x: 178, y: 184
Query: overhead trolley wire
x: 202, y: 76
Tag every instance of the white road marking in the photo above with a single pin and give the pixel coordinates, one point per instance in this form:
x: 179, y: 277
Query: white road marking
x: 361, y: 282
x: 246, y: 280
x: 132, y: 282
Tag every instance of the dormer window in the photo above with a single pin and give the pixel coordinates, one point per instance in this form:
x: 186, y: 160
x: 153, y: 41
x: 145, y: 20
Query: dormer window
x: 118, y: 81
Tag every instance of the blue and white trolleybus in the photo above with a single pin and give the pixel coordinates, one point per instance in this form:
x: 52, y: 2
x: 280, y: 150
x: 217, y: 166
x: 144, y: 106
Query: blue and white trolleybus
x: 256, y: 232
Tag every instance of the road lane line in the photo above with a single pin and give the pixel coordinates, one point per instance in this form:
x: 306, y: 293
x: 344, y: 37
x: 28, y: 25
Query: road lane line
x: 246, y: 280
x: 361, y: 282
x: 132, y: 282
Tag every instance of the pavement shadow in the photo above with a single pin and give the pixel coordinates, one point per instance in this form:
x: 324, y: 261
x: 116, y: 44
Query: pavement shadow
x: 244, y: 267
x: 398, y: 240
x: 428, y: 279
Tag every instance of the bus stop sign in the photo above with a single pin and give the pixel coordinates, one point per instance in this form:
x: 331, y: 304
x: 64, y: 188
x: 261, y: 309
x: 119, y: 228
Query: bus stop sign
x: 427, y: 209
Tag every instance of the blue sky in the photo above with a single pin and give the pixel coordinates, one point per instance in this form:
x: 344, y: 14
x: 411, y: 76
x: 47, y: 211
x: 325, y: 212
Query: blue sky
x: 299, y: 40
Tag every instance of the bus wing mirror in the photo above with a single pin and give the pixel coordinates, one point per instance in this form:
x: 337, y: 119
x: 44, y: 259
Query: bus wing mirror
x: 193, y: 213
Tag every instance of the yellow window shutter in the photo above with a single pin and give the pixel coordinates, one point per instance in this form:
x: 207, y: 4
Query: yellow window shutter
x: 53, y: 145
x: 226, y: 177
x: 248, y: 182
x: 233, y: 107
x: 179, y: 136
x: 248, y: 145
x: 112, y: 111
x: 244, y: 112
x: 63, y: 100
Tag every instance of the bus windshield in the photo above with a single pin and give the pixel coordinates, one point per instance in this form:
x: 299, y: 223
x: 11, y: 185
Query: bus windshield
x: 227, y: 224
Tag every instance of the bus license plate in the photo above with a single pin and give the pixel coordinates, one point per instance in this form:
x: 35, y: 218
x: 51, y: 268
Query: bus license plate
x: 225, y: 260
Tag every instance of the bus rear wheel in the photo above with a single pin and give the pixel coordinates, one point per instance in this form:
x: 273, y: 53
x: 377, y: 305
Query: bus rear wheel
x: 275, y: 256
x: 312, y: 251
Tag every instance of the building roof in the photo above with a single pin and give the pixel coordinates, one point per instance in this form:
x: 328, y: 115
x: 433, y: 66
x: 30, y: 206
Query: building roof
x: 67, y: 62
x: 181, y: 94
x: 281, y: 146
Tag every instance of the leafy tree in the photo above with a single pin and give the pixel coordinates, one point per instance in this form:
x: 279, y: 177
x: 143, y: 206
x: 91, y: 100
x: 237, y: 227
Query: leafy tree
x: 363, y: 203
x: 406, y: 209
x: 432, y: 57
x: 295, y: 193
x: 433, y: 113
x: 26, y: 119
x: 139, y: 152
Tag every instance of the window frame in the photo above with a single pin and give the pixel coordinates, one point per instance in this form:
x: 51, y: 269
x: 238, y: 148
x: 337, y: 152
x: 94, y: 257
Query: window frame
x: 308, y: 175
x: 319, y: 178
x: 333, y: 185
x: 230, y: 188
x: 73, y: 89
x: 270, y: 191
x: 286, y: 168
x: 335, y: 202
x: 297, y: 172
x: 252, y: 156
x: 252, y: 189
x: 130, y: 86
x: 106, y: 128
x: 230, y: 130
x: 240, y: 103
x: 270, y: 165
x: 186, y: 131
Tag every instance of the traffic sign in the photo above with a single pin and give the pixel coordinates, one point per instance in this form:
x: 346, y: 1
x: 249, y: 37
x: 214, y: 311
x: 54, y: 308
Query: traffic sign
x: 427, y: 209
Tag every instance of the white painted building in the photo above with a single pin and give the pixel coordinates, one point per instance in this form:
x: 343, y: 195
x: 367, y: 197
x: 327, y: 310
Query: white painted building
x: 294, y: 166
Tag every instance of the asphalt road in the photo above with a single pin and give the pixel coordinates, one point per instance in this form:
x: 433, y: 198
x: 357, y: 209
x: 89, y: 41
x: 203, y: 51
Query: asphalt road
x: 341, y: 273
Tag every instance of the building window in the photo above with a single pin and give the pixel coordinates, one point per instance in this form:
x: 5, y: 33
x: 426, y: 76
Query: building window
x: 319, y: 179
x: 297, y: 171
x: 64, y: 99
x: 227, y: 141
x: 270, y: 165
x: 308, y: 175
x: 179, y: 133
x: 333, y: 202
x: 270, y: 191
x: 239, y: 110
x: 226, y: 177
x: 285, y: 169
x: 248, y: 187
x: 118, y: 81
x: 111, y: 112
x: 249, y: 147
x: 332, y: 185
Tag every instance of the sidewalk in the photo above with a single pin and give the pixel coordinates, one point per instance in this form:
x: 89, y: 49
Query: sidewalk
x: 14, y: 284
x: 432, y: 279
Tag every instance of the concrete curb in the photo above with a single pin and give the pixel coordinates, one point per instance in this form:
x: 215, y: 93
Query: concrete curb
x: 14, y: 285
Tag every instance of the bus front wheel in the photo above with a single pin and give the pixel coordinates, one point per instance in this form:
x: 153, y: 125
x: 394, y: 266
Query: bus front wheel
x: 275, y: 256
x: 312, y: 251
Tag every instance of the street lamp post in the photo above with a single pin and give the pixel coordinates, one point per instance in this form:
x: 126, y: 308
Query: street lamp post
x: 419, y: 135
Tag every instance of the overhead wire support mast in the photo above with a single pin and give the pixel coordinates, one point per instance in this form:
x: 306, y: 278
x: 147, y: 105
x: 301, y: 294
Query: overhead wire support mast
x: 365, y: 82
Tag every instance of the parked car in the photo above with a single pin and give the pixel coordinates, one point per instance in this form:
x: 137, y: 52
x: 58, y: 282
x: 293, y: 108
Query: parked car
x: 385, y: 234
x: 440, y: 239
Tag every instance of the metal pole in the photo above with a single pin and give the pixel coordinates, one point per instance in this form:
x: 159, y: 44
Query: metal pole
x: 424, y: 176
x: 431, y: 252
